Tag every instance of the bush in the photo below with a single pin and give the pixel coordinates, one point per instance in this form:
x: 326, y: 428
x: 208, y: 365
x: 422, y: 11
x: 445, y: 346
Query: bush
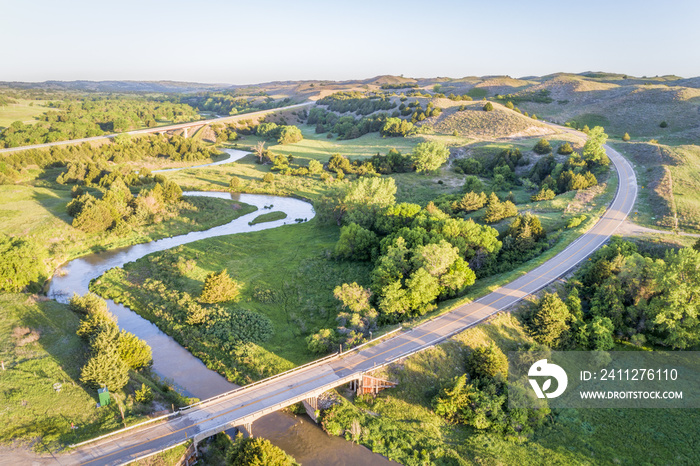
x: 488, y: 107
x: 89, y: 303
x: 144, y: 395
x: 234, y: 184
x: 315, y: 167
x: 268, y: 178
x: 322, y: 341
x: 542, y: 147
x: 626, y: 137
x: 497, y: 210
x: 487, y: 361
x: 105, y: 369
x: 289, y: 135
x: 429, y: 156
x: 257, y: 452
x: 543, y: 195
x: 663, y: 124
x: 21, y: 263
x: 133, y: 351
x: 219, y: 288
x: 565, y: 149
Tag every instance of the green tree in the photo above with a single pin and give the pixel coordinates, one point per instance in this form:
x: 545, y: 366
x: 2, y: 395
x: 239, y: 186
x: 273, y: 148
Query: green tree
x: 550, y: 320
x: 565, y: 149
x: 497, y: 210
x: 470, y: 202
x: 356, y: 243
x: 544, y: 194
x: 488, y: 107
x: 626, y: 137
x: 322, y: 341
x: 600, y: 334
x: 315, y: 167
x: 235, y: 184
x: 396, y: 127
x: 257, y: 452
x: 593, y: 150
x: 144, y: 395
x: 219, y: 287
x: 268, y: 178
x: 21, y: 263
x: 429, y: 156
x: 542, y: 147
x: 133, y: 351
x: 89, y: 303
x: 487, y: 361
x: 105, y: 369
x: 289, y: 135
x: 365, y: 198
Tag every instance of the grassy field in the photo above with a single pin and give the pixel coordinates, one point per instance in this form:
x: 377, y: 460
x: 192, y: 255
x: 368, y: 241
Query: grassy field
x: 24, y: 111
x: 39, y: 348
x: 400, y: 423
x: 286, y: 276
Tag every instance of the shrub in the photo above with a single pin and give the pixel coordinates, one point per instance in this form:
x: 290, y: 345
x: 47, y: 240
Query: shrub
x: 488, y: 107
x: 497, y: 210
x: 510, y: 105
x: 89, y: 303
x: 133, y: 351
x: 565, y: 149
x: 219, y: 288
x: 289, y: 135
x: 257, y: 452
x: 663, y: 124
x: 429, y: 156
x: 487, y: 361
x: 21, y: 263
x: 144, y: 395
x: 542, y: 147
x: 105, y: 369
x: 322, y: 341
x: 543, y: 195
x: 626, y: 137
x: 315, y: 167
x: 268, y: 178
x: 235, y: 183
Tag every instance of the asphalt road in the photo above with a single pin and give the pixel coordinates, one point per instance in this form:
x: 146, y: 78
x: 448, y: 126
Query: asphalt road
x: 157, y: 129
x: 251, y: 402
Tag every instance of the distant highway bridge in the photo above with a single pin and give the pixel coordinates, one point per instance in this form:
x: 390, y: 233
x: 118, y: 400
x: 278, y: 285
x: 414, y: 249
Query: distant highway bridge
x: 241, y: 407
x: 160, y: 129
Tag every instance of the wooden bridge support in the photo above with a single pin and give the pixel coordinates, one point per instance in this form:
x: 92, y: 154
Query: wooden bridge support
x: 311, y: 406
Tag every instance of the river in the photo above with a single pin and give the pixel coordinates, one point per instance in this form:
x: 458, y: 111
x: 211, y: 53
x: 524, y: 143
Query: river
x: 297, y: 435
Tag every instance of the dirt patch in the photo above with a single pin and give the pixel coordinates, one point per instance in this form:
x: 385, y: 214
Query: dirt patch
x: 25, y: 335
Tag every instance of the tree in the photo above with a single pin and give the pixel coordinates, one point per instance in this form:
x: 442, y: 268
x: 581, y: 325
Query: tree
x: 549, y: 320
x: 219, y: 288
x: 626, y: 137
x: 544, y: 194
x: 133, y: 351
x: 663, y: 124
x: 600, y: 334
x: 593, y: 150
x: 289, y: 135
x: 565, y: 149
x: 365, y: 198
x: 235, y: 184
x: 315, y: 167
x: 542, y: 147
x: 470, y: 202
x: 260, y: 151
x: 21, y: 263
x: 429, y: 156
x: 144, y: 395
x: 87, y: 304
x: 356, y: 243
x: 105, y: 369
x: 487, y: 362
x: 257, y: 452
x: 488, y: 107
x: 497, y: 210
x: 396, y: 127
x: 322, y: 341
x: 268, y: 178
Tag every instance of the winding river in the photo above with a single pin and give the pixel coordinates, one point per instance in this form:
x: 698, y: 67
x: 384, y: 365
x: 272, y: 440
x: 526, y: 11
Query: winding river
x: 299, y: 436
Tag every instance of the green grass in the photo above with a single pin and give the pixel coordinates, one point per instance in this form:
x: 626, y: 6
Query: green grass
x: 268, y: 217
x: 401, y: 425
x: 318, y: 147
x: 33, y: 412
x: 24, y: 111
x: 166, y: 458
x: 286, y: 276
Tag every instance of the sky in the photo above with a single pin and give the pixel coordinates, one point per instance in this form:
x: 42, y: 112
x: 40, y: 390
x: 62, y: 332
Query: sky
x: 236, y: 42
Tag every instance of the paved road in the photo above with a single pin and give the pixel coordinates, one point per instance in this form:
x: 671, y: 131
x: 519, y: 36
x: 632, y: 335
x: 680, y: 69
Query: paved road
x: 254, y: 401
x: 158, y: 129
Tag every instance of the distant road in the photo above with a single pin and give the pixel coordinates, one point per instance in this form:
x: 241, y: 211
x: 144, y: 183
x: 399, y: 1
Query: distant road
x: 158, y: 129
x: 244, y: 405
